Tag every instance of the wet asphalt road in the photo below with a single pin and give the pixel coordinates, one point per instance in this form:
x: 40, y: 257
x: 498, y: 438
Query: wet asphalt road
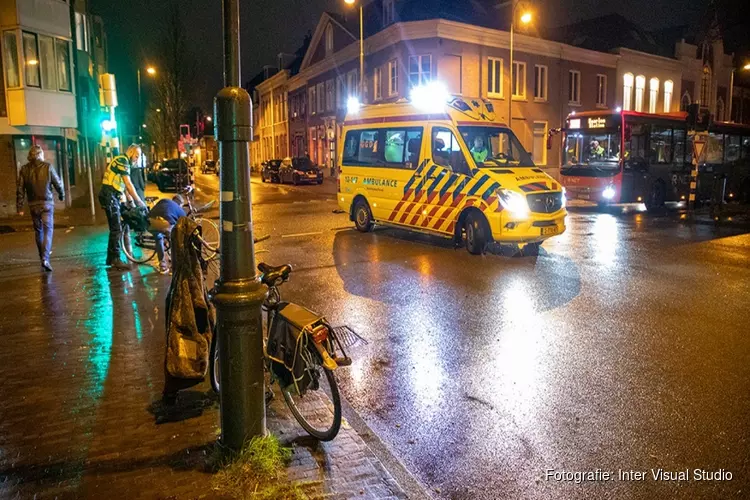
x: 623, y: 346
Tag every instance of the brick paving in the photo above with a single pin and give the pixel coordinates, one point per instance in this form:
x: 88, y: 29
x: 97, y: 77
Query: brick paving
x: 81, y: 360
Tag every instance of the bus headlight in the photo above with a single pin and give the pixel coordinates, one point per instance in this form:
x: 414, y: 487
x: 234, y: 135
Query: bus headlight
x: 513, y: 202
x: 609, y: 192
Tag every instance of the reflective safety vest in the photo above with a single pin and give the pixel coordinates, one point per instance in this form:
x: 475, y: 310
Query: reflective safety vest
x: 113, y: 174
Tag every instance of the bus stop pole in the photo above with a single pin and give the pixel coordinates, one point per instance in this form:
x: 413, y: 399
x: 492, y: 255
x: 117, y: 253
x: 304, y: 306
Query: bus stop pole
x: 239, y: 293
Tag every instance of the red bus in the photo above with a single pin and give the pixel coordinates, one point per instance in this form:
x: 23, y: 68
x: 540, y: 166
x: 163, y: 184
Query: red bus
x: 612, y: 157
x: 724, y: 170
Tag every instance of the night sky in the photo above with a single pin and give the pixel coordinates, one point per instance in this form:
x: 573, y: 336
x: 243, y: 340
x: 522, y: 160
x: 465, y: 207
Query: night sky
x: 272, y: 26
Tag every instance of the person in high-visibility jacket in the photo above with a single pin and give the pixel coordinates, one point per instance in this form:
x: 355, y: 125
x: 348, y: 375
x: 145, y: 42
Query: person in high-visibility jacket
x: 116, y: 184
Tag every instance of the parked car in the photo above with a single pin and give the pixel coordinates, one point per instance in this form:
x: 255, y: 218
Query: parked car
x: 269, y: 172
x: 210, y: 167
x: 151, y: 171
x: 300, y: 171
x: 173, y: 174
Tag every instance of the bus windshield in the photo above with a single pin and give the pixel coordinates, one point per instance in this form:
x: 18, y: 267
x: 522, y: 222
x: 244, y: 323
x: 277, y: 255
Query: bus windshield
x: 491, y: 147
x: 597, y: 150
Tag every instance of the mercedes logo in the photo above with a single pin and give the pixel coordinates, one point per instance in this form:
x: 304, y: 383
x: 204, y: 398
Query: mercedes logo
x: 549, y: 203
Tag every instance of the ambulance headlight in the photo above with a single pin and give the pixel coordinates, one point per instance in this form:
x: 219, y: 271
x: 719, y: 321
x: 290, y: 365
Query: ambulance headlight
x: 513, y: 202
x: 608, y: 193
x: 430, y: 97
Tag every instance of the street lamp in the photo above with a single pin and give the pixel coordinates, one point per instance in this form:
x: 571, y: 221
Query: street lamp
x: 746, y: 67
x: 525, y: 19
x: 152, y: 72
x: 361, y: 49
x: 209, y: 119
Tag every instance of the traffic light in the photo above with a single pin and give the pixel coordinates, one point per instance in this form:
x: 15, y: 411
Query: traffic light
x: 109, y: 125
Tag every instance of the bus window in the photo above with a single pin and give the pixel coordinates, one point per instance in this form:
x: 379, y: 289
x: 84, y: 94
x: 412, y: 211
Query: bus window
x: 600, y: 149
x: 714, y: 152
x: 446, y: 151
x: 661, y: 145
x: 745, y: 147
x: 361, y: 148
x: 635, y: 145
x: 679, y: 146
x: 732, y: 147
x: 402, y: 147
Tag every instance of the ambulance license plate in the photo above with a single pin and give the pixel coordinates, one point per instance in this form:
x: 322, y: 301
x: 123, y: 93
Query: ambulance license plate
x: 549, y: 230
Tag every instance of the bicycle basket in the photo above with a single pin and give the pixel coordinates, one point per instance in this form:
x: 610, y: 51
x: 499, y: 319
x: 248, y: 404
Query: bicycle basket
x: 136, y: 218
x: 287, y: 342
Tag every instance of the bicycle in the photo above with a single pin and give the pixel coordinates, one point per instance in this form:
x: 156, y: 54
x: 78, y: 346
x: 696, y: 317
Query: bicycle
x: 144, y: 249
x: 307, y: 375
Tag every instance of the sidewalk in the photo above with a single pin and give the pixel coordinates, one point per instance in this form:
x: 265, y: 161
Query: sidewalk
x: 82, y: 362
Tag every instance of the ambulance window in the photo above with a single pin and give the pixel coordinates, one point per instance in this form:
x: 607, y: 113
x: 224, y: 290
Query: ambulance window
x: 362, y: 147
x: 446, y: 151
x: 402, y: 147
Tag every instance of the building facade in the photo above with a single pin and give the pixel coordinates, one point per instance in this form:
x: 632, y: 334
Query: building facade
x: 272, y: 118
x: 39, y: 99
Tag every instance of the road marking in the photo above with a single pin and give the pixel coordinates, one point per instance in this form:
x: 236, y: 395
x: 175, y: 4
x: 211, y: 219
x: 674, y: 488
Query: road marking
x: 301, y: 234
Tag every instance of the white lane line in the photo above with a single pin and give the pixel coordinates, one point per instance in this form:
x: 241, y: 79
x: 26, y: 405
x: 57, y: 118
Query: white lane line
x: 301, y: 234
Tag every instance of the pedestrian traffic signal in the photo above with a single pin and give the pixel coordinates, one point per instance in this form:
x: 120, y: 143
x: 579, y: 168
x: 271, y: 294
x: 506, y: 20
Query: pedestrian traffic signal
x: 109, y: 125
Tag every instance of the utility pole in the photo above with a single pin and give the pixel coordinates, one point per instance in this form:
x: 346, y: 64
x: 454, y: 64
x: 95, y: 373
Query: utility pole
x: 239, y: 291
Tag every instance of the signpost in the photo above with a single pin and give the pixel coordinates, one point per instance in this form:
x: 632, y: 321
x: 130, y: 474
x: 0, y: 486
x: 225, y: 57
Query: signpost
x: 699, y: 144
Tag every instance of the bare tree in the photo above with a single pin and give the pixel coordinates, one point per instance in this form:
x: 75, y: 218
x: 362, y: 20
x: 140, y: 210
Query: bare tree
x: 175, y: 68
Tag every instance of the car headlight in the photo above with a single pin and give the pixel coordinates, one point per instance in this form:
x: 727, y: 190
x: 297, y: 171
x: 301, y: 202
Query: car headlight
x: 609, y: 192
x: 562, y: 197
x: 513, y: 202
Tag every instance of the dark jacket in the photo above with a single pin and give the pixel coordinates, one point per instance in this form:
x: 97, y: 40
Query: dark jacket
x: 35, y: 182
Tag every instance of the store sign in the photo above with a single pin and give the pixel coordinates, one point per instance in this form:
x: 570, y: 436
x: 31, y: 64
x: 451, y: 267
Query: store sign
x: 597, y: 122
x: 575, y: 123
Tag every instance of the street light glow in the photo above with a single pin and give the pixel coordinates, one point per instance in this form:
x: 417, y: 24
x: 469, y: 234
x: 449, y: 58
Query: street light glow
x: 526, y: 17
x: 208, y: 119
x: 151, y: 70
x: 746, y: 66
x: 144, y: 125
x: 350, y: 2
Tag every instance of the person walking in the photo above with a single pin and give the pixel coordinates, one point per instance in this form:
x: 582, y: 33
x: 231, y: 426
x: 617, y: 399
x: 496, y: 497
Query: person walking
x: 115, y: 184
x: 35, y: 183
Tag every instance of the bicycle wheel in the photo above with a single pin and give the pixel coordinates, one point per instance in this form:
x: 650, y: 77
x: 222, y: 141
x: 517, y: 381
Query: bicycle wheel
x: 210, y: 238
x: 318, y: 410
x: 213, y: 364
x: 138, y: 247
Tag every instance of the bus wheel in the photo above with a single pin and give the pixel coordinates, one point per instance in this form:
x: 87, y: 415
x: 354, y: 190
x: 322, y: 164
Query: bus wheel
x: 362, y: 216
x: 655, y: 199
x: 476, y: 231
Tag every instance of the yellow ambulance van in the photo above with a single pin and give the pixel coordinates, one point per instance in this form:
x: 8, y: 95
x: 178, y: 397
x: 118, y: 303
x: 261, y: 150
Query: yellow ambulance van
x: 445, y: 166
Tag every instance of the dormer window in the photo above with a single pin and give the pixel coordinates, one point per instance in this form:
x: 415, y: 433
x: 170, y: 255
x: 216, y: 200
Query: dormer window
x: 389, y: 12
x: 329, y: 40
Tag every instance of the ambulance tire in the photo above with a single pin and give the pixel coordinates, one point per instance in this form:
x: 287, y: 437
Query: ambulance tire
x: 476, y: 231
x: 362, y: 216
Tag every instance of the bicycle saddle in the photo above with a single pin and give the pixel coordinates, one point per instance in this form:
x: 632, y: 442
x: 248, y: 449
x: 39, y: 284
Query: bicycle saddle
x: 271, y: 274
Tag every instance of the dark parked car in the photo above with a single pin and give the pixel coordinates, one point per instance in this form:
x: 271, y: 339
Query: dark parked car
x: 173, y: 174
x: 210, y: 167
x: 151, y: 171
x: 300, y: 171
x: 270, y: 171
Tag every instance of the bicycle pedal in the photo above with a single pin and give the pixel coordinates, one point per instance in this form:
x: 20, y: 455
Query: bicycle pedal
x: 347, y: 361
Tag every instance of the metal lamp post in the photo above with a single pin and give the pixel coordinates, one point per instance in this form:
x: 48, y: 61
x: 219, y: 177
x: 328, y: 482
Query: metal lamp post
x: 525, y: 19
x: 361, y: 49
x: 731, y: 88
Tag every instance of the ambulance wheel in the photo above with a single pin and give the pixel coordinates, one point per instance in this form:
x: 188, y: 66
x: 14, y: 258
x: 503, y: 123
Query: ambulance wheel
x: 476, y: 232
x: 363, y: 216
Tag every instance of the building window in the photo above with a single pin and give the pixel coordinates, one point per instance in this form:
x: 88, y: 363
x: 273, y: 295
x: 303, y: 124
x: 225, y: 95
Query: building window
x: 351, y: 83
x: 329, y: 95
x: 574, y: 87
x: 539, y: 146
x: 341, y: 92
x: 30, y: 60
x: 377, y: 84
x: 519, y: 79
x: 320, y: 96
x: 82, y: 32
x: 311, y: 100
x: 705, y: 87
x: 420, y: 70
x: 540, y: 83
x: 601, y: 91
x: 640, y: 89
x: 653, y: 94
x: 668, y: 89
x: 720, y: 109
x: 10, y: 59
x: 494, y: 77
x: 62, y: 49
x: 685, y: 101
x: 47, y: 62
x: 392, y: 77
x: 389, y: 12
x: 627, y: 91
x: 329, y: 40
